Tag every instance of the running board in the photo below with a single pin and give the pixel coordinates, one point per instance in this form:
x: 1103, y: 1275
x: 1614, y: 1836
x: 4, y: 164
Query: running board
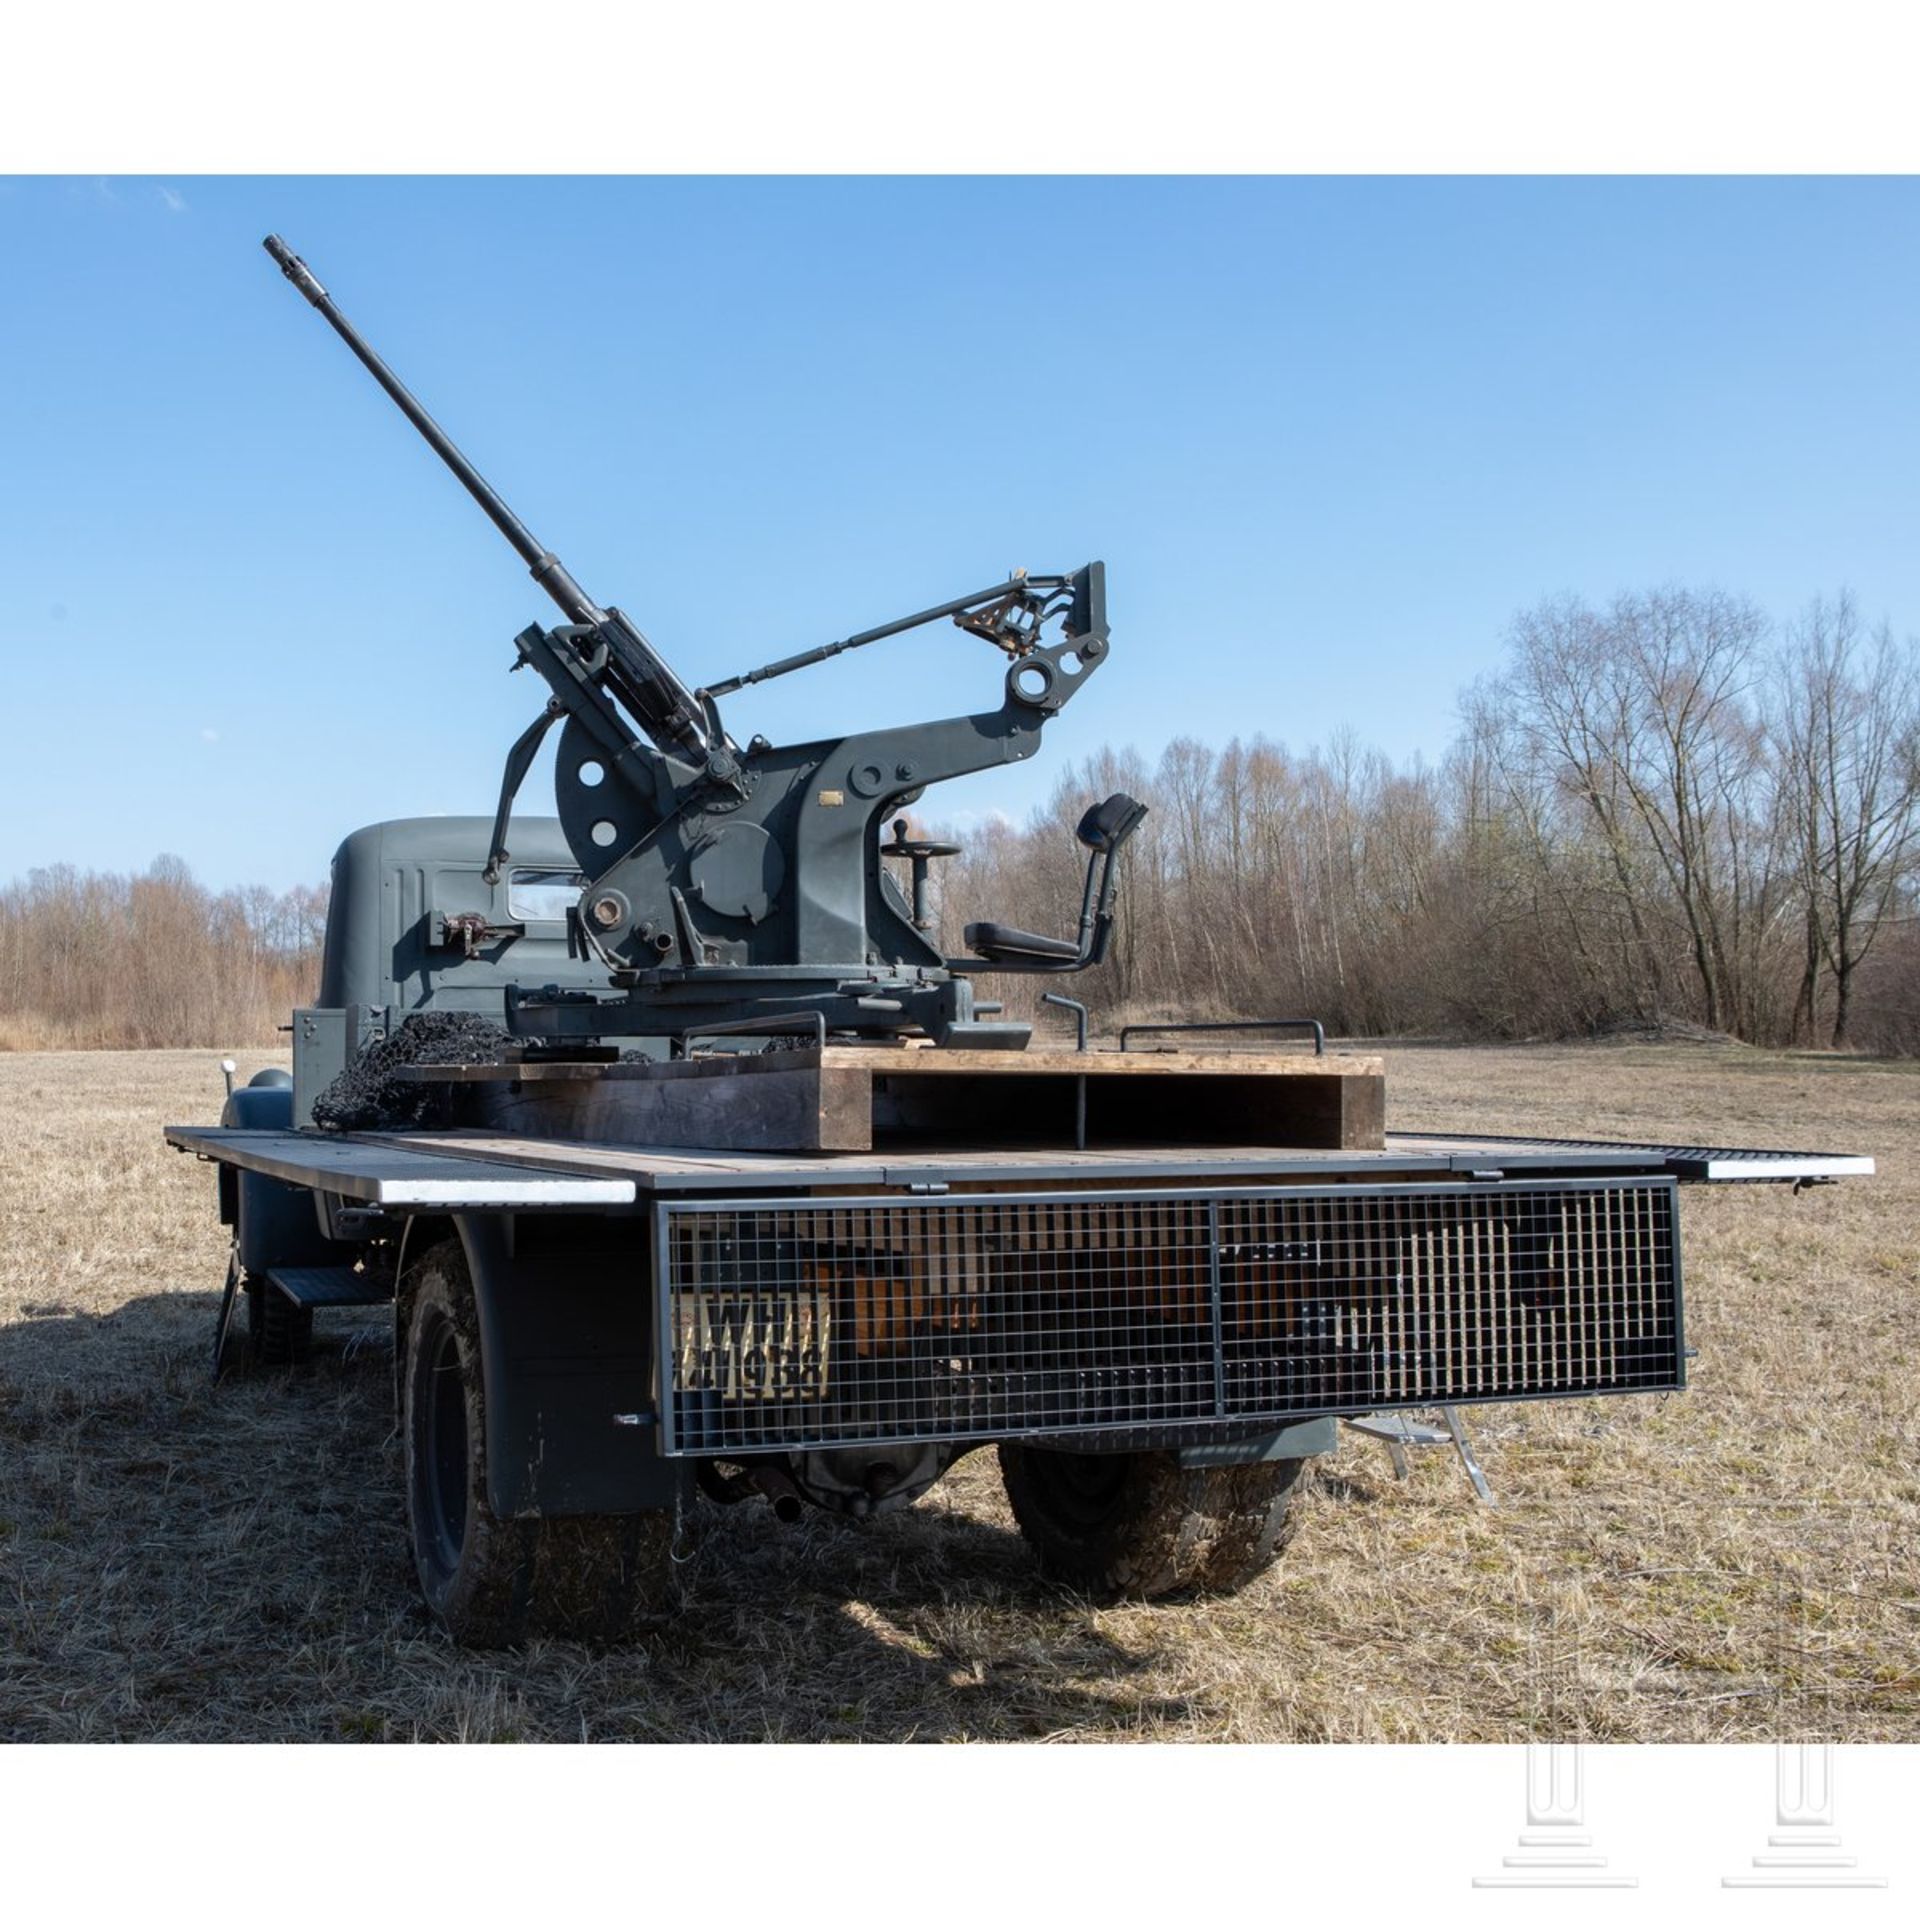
x: 329, y: 1287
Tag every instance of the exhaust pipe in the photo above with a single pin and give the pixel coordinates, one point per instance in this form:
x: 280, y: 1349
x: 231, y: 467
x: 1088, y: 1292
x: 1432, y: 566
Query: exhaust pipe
x: 774, y: 1484
x: 782, y: 1495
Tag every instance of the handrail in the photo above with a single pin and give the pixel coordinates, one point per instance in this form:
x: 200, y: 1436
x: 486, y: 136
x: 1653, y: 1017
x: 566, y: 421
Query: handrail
x: 1230, y: 1026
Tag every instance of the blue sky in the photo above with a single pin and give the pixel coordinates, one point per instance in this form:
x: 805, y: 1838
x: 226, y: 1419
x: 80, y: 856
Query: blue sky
x: 1327, y: 435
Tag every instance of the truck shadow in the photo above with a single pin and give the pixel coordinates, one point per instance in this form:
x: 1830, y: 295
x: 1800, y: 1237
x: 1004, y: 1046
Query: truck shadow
x: 230, y: 1562
x: 932, y: 1623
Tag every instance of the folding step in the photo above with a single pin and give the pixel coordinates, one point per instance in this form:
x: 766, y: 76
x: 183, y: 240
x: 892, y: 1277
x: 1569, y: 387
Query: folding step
x: 329, y: 1286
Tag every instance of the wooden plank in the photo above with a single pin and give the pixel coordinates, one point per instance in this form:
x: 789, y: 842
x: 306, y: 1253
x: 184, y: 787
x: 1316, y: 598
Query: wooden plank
x: 843, y: 1099
x: 780, y: 1112
x: 908, y: 1059
x: 989, y: 1065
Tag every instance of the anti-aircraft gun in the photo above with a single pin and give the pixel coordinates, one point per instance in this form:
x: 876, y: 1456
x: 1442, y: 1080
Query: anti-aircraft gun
x: 745, y: 888
x: 823, y: 1262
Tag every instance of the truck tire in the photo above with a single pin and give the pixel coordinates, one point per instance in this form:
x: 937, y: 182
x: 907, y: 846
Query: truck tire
x: 279, y: 1333
x: 1139, y: 1526
x: 494, y: 1581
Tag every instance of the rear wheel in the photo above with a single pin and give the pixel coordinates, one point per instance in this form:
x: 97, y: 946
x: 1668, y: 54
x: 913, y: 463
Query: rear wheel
x: 493, y: 1581
x: 1139, y: 1526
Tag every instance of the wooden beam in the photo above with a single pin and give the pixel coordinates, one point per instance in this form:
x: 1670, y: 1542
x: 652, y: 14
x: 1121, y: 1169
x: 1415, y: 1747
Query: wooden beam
x: 848, y: 1099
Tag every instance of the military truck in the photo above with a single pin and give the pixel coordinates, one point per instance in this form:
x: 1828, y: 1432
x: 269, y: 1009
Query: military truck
x: 590, y: 1335
x: 692, y: 1168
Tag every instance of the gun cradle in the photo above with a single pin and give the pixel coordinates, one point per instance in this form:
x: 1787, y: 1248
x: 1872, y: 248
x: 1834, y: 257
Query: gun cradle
x: 768, y: 894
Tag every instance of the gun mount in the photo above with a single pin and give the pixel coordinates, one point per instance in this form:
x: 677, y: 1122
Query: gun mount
x: 745, y: 888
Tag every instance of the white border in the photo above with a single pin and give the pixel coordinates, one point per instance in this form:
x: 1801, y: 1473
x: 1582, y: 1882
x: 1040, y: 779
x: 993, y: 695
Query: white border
x: 997, y: 86
x: 962, y: 1832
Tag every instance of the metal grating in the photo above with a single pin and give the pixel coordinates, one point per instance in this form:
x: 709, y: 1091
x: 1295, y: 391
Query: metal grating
x: 1688, y: 1163
x: 907, y: 1319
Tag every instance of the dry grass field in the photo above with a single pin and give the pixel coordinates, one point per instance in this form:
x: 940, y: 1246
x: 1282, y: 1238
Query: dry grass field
x: 184, y: 1562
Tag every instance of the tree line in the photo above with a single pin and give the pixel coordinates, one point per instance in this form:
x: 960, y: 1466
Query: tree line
x: 152, y: 959
x: 1662, y: 814
x: 1667, y: 813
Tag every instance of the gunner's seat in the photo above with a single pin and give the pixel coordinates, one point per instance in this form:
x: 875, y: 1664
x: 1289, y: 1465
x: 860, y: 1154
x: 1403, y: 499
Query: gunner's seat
x: 1104, y: 829
x: 1010, y: 946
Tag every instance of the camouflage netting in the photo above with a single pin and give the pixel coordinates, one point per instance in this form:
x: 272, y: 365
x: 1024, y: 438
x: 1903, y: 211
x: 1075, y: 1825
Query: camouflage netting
x: 370, y: 1096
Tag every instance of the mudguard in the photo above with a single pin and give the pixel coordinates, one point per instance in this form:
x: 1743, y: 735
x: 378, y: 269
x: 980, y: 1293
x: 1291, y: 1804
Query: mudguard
x: 275, y: 1225
x: 566, y: 1345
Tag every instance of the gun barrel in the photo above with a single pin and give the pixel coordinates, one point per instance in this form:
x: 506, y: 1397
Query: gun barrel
x: 567, y: 593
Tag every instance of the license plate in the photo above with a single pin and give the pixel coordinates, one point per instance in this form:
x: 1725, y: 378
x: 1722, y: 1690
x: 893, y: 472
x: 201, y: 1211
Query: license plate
x: 761, y: 1344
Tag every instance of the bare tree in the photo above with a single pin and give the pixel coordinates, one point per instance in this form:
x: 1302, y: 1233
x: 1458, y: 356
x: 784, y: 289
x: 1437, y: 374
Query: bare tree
x: 1646, y: 713
x: 1848, y: 737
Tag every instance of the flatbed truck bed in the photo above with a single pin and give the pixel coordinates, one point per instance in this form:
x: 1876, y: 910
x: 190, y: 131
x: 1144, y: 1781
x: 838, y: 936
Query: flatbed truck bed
x: 475, y: 1167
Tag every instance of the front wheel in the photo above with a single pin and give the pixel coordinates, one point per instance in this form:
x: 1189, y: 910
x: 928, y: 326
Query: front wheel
x: 494, y: 1581
x: 1139, y: 1526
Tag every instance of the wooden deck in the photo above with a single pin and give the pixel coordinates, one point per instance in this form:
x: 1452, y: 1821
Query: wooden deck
x: 860, y: 1099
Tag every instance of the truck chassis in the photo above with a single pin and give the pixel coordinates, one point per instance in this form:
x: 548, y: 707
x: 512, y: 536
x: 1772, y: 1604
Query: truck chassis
x: 588, y: 1335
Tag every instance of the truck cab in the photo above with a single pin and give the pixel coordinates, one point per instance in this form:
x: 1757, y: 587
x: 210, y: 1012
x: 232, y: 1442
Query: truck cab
x: 414, y: 924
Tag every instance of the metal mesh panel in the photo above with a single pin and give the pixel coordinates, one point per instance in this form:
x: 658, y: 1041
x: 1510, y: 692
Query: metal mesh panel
x: 828, y: 1323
